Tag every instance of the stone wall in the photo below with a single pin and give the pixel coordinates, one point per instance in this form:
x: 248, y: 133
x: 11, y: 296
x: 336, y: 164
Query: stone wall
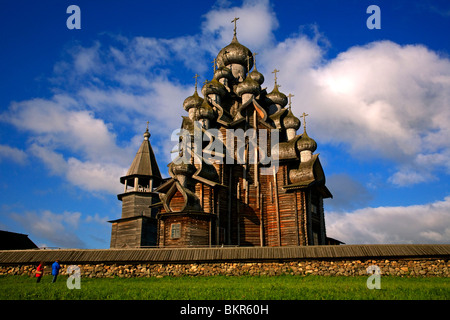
x: 400, y: 267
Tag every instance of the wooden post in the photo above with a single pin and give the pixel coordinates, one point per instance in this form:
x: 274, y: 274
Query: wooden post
x: 209, y: 232
x: 238, y: 221
x: 323, y: 239
x: 277, y: 206
x: 136, y: 183
x: 296, y: 217
x: 217, y: 212
x: 309, y: 217
x: 229, y: 206
x: 261, y: 223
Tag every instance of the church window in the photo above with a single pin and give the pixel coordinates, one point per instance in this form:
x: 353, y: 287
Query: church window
x: 175, y: 230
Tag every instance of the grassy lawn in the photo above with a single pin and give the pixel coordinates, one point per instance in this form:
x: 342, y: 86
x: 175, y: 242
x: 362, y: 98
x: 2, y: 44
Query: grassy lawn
x: 284, y: 287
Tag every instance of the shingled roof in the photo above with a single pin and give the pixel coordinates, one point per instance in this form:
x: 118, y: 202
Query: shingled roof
x: 14, y: 241
x: 144, y: 163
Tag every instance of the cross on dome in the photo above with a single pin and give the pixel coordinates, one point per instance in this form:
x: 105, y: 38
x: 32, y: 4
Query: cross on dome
x: 196, y: 76
x: 254, y: 60
x: 214, y: 62
x: 290, y: 96
x: 234, y: 20
x: 304, y: 115
x: 275, y: 72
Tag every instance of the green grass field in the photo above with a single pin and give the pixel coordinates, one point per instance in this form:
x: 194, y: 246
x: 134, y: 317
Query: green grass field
x: 284, y: 287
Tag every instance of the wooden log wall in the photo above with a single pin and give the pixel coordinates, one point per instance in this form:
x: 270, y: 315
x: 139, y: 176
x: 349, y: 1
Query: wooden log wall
x: 176, y: 202
x: 126, y: 233
x: 194, y: 230
x: 134, y: 204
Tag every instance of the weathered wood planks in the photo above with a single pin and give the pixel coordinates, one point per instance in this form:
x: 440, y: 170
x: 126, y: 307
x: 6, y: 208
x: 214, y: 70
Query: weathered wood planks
x: 192, y: 255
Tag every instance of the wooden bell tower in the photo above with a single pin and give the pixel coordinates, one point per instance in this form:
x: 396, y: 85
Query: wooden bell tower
x: 138, y: 225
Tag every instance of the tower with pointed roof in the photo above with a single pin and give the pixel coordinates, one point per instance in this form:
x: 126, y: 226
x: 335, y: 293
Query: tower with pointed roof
x: 138, y: 225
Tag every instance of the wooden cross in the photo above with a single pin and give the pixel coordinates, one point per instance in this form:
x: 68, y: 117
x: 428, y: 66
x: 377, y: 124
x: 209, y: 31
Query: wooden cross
x: 254, y: 60
x: 234, y: 20
x: 214, y: 64
x: 304, y: 115
x: 196, y: 76
x: 248, y: 63
x: 275, y: 72
x: 290, y: 96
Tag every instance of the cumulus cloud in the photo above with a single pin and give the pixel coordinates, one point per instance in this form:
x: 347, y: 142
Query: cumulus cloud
x: 94, y: 176
x: 428, y: 223
x: 381, y: 100
x: 13, y: 154
x: 56, y: 229
x: 256, y: 24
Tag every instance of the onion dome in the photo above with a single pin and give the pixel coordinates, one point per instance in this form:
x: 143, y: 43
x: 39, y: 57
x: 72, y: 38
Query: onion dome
x: 181, y: 168
x: 213, y: 87
x: 146, y: 134
x: 205, y: 111
x: 248, y: 86
x: 306, y: 143
x: 257, y: 76
x: 277, y: 97
x: 235, y: 53
x: 193, y: 101
x: 291, y: 121
x: 223, y: 72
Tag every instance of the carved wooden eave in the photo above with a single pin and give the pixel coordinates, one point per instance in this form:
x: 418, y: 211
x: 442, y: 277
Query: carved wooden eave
x: 288, y: 150
x: 223, y: 116
x: 309, y: 174
x: 206, y: 172
x: 190, y: 200
x: 276, y: 117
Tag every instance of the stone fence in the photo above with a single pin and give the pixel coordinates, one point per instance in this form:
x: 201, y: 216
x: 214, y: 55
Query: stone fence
x: 399, y: 267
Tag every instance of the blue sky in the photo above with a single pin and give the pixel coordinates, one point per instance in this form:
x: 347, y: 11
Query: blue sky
x: 74, y: 106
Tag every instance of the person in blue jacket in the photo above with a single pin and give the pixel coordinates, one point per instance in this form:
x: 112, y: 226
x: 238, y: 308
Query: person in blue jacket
x: 55, y: 270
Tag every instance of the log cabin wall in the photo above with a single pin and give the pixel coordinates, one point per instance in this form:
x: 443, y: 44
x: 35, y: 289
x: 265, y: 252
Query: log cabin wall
x: 136, y: 204
x: 126, y: 234
x: 191, y: 230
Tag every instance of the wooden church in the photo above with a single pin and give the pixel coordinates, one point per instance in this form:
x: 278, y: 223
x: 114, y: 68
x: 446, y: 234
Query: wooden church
x: 228, y: 196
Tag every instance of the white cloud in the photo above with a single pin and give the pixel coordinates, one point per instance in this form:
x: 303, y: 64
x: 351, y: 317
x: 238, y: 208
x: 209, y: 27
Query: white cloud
x: 94, y: 176
x: 53, y: 160
x: 87, y: 59
x: 57, y: 229
x: 406, y: 176
x: 381, y: 100
x: 14, y: 154
x: 255, y: 26
x: 428, y: 223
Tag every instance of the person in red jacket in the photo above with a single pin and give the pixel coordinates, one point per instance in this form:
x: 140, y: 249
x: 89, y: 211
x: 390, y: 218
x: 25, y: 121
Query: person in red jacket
x: 39, y: 271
